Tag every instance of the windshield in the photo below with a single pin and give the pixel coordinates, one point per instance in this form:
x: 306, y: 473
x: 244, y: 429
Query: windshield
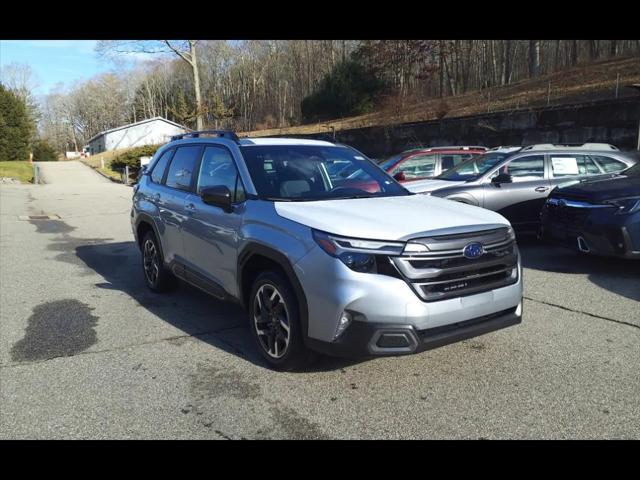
x: 474, y: 167
x: 310, y: 172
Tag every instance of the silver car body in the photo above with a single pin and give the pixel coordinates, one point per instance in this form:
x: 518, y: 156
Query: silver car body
x: 210, y: 245
x: 521, y: 201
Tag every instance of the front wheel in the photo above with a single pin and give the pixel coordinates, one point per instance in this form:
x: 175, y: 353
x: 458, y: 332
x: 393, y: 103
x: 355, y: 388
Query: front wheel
x: 275, y: 322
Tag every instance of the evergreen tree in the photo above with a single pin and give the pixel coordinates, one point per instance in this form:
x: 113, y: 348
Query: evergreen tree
x: 15, y: 127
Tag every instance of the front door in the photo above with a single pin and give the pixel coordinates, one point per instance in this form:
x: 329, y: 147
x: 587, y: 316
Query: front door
x: 521, y: 199
x: 211, y: 234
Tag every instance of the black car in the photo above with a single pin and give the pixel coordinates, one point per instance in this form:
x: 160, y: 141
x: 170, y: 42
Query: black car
x: 599, y: 216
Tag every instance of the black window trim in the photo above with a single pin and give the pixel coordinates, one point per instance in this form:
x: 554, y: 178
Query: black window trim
x: 235, y: 165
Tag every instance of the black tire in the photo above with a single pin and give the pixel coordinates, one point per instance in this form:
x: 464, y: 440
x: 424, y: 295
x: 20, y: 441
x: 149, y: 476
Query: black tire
x: 296, y: 355
x: 156, y: 275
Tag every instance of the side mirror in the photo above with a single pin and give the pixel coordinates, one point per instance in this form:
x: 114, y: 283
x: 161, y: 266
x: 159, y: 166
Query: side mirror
x: 218, y: 196
x: 400, y: 176
x: 502, y: 178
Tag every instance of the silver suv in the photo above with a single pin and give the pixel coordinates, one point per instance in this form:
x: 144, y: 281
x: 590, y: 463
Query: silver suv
x: 322, y: 263
x: 515, y: 181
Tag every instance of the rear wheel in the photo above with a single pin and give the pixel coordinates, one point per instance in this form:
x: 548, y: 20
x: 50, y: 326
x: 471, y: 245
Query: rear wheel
x: 275, y: 322
x: 158, y: 278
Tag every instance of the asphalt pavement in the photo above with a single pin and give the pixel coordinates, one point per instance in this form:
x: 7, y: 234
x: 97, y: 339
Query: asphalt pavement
x: 86, y: 351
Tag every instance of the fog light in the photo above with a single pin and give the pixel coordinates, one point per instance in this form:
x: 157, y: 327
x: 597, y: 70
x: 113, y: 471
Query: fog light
x: 343, y: 323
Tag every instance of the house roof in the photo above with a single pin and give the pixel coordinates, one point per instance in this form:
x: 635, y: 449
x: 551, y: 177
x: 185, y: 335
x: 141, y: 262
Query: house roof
x: 136, y: 123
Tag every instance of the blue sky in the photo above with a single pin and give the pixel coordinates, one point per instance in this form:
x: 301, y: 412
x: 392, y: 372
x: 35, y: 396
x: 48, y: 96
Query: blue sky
x: 54, y: 61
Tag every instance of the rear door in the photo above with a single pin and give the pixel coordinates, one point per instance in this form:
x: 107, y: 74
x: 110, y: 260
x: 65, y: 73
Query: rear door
x: 210, y: 234
x: 178, y: 184
x: 521, y: 200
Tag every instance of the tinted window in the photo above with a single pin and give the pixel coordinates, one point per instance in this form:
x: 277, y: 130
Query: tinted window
x: 217, y: 168
x: 450, y: 160
x: 419, y: 166
x: 160, y: 166
x: 301, y: 172
x: 608, y: 164
x: 182, y: 167
x: 568, y: 165
x: 525, y: 168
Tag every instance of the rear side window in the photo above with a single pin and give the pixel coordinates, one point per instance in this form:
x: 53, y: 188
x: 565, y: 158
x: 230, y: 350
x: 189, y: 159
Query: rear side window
x: 608, y: 164
x: 567, y: 165
x: 182, y: 168
x: 161, y: 165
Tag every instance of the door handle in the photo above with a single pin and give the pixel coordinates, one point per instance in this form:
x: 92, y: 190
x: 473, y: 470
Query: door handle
x: 156, y: 197
x: 542, y: 189
x: 190, y: 207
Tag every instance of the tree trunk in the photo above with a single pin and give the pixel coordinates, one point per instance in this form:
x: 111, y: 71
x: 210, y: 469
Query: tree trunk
x: 196, y: 86
x: 534, y: 58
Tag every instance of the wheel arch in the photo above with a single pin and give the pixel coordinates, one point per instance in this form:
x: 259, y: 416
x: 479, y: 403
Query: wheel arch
x: 252, y: 260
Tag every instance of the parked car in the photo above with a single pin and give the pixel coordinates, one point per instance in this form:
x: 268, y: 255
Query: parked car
x: 319, y: 266
x: 421, y: 163
x: 515, y: 181
x: 597, y: 216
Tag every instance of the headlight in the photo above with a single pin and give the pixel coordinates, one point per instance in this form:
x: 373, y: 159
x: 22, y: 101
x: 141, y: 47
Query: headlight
x: 357, y: 254
x: 625, y: 205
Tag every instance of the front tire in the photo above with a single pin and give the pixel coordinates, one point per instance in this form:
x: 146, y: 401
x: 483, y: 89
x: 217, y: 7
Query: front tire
x: 275, y: 322
x: 157, y: 277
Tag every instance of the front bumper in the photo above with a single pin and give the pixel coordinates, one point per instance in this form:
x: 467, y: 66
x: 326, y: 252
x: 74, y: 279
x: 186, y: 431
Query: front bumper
x: 595, y: 231
x: 363, y: 339
x: 380, y: 303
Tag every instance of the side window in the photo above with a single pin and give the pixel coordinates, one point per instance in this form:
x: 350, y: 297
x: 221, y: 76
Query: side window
x: 418, y: 167
x: 525, y: 169
x: 450, y: 160
x: 608, y: 164
x: 182, y: 167
x: 217, y: 168
x: 567, y: 165
x: 160, y: 166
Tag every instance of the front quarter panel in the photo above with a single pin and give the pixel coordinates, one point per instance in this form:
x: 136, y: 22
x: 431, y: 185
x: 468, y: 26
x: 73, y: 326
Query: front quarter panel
x: 471, y: 195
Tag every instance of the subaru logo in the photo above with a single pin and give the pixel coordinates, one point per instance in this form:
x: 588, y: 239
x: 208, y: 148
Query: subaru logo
x: 473, y: 250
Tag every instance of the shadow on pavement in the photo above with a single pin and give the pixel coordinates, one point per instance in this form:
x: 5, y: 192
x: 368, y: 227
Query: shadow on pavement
x: 620, y: 276
x: 221, y: 324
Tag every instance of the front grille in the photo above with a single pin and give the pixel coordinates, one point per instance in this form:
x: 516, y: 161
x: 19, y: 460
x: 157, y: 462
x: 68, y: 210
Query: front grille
x: 441, y: 274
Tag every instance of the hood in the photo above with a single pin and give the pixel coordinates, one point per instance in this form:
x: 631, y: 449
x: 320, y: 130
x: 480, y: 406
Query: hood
x: 389, y: 218
x: 421, y: 186
x: 601, y: 189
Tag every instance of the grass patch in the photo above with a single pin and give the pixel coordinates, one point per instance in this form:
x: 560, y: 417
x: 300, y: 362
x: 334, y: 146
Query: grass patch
x: 22, y: 171
x: 95, y: 162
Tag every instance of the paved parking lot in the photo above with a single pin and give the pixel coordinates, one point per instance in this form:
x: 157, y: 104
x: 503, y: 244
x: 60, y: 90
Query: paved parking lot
x: 86, y: 351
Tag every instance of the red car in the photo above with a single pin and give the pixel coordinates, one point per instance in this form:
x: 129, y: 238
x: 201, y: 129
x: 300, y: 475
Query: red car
x: 416, y: 164
x: 421, y: 163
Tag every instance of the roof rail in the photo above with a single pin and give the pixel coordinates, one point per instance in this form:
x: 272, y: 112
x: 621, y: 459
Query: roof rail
x: 571, y: 146
x: 220, y: 133
x: 457, y: 147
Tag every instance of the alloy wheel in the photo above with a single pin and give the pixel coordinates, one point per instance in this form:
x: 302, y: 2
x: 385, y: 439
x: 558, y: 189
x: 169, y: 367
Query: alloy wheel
x: 271, y: 320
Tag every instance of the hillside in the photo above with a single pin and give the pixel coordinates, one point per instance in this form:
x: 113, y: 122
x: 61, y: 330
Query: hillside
x: 596, y: 81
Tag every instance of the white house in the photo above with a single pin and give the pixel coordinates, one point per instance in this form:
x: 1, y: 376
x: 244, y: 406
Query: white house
x: 146, y: 132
